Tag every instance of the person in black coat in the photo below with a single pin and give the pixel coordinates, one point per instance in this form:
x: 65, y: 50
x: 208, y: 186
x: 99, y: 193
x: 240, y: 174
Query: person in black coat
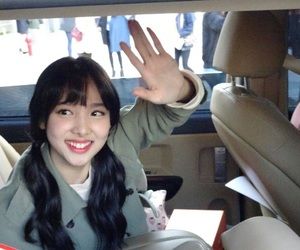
x: 211, y: 28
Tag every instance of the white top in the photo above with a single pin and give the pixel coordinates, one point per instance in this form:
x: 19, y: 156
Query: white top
x: 83, y: 189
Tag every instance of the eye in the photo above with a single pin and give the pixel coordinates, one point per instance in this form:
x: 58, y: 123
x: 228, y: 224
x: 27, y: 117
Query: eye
x: 98, y: 113
x: 64, y: 112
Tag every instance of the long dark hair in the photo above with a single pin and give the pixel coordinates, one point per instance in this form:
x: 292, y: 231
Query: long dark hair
x: 70, y: 77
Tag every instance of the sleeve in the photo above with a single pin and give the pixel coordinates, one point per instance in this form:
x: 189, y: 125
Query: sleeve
x: 146, y: 123
x: 188, y: 25
x: 200, y: 92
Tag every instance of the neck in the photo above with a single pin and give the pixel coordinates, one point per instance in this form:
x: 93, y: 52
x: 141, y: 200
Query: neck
x: 74, y: 175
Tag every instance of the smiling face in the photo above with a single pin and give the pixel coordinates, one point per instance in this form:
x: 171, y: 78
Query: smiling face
x: 77, y: 132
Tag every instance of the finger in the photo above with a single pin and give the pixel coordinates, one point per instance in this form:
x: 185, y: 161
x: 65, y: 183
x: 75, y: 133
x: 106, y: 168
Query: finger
x: 141, y: 42
x: 135, y: 61
x: 156, y: 41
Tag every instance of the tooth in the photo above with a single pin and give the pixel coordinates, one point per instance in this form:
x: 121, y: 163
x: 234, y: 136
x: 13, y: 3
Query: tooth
x: 79, y: 145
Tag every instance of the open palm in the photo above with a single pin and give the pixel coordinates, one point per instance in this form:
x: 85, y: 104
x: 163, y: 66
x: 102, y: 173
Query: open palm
x: 164, y: 82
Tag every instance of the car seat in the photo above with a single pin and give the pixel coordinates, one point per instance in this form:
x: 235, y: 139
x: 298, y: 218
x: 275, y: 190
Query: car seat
x: 171, y: 239
x: 257, y: 134
x: 8, y: 158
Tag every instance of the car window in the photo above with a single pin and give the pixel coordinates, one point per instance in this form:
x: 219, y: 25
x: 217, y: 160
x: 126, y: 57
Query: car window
x: 27, y: 46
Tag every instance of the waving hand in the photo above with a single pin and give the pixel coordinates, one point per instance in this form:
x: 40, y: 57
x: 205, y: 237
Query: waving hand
x: 164, y: 81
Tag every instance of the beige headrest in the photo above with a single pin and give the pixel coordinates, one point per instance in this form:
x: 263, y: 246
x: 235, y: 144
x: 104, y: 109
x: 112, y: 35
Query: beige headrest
x: 251, y: 44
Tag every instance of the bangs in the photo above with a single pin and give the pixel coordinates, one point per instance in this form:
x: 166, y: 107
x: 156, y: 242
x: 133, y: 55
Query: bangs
x: 75, y: 92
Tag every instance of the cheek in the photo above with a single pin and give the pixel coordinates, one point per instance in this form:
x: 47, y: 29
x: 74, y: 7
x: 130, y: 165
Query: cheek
x: 106, y: 129
x: 102, y: 129
x: 52, y: 132
x: 55, y: 127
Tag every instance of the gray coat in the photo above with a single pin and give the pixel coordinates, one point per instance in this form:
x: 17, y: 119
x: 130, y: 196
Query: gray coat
x: 139, y: 126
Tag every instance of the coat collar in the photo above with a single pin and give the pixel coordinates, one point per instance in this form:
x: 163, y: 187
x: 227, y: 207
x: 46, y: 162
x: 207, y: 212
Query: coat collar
x: 21, y: 204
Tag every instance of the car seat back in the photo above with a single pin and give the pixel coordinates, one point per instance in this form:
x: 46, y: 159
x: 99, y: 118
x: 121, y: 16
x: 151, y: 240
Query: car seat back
x: 259, y: 137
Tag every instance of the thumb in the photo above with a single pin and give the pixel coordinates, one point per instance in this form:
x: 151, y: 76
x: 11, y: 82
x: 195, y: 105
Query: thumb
x: 142, y: 93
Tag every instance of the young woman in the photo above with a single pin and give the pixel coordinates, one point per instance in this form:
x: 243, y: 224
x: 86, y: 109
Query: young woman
x: 76, y: 186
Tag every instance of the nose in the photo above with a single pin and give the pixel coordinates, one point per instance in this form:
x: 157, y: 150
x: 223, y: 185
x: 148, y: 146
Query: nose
x: 81, y: 125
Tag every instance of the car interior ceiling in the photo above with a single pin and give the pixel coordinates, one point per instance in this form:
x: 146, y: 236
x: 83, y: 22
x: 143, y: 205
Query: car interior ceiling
x: 51, y: 9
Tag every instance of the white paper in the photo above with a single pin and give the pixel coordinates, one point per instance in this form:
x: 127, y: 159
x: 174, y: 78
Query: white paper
x: 242, y: 185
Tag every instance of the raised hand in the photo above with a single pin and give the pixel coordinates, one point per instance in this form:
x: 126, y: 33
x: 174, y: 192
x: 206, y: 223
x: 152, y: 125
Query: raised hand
x: 164, y: 82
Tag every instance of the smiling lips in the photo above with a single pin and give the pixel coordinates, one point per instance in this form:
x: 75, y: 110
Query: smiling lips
x: 79, y: 147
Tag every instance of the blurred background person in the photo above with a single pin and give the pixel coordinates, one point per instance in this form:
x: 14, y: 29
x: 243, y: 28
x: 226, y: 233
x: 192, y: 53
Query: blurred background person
x: 114, y: 29
x: 22, y: 28
x: 67, y: 25
x: 211, y: 27
x: 294, y: 33
x: 184, y: 43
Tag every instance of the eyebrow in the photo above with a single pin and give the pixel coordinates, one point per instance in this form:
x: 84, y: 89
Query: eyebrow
x: 94, y: 104
x: 97, y: 104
